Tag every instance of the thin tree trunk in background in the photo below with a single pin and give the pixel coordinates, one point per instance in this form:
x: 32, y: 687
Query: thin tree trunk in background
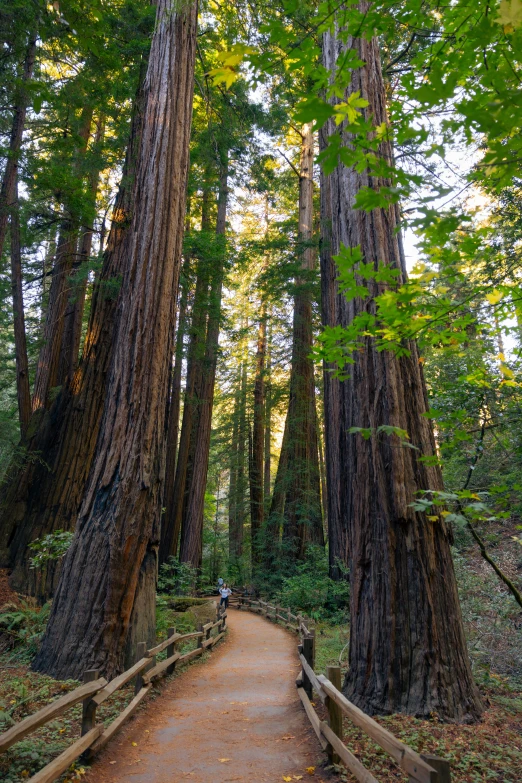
x: 268, y: 420
x: 44, y: 495
x: 105, y: 602
x: 10, y: 178
x: 234, y: 541
x: 23, y: 390
x: 302, y: 504
x: 258, y: 444
x: 53, y: 367
x: 242, y: 479
x: 407, y: 645
x: 73, y: 317
x: 167, y: 544
x: 174, y: 513
x: 191, y: 545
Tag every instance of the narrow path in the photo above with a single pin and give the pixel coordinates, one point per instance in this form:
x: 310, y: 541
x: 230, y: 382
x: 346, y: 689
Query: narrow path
x: 235, y: 717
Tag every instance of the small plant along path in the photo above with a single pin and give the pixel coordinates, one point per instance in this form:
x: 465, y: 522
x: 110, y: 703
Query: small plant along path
x: 234, y: 717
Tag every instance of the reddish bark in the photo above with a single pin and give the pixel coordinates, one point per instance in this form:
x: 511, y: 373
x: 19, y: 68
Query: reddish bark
x: 106, y: 597
x: 407, y: 646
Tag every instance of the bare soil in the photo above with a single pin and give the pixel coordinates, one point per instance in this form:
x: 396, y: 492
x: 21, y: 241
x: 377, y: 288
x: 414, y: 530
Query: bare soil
x: 233, y: 717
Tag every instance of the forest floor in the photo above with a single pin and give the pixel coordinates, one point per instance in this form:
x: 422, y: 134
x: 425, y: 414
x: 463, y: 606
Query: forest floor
x: 236, y: 718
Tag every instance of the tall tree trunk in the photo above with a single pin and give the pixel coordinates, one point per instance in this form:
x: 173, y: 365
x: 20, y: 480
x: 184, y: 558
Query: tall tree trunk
x: 258, y: 444
x: 335, y: 438
x: 43, y: 495
x: 268, y: 419
x: 192, y: 529
x: 113, y: 556
x: 235, y: 541
x: 407, y: 646
x: 53, y: 366
x: 175, y: 510
x: 242, y: 455
x: 9, y: 180
x: 167, y: 545
x: 73, y: 316
x: 23, y: 390
x: 302, y: 504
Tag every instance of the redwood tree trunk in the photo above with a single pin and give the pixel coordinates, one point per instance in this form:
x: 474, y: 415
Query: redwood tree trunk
x: 7, y: 190
x: 167, y: 544
x: 258, y: 445
x: 107, y: 586
x: 192, y: 529
x: 73, y: 316
x: 235, y: 539
x: 23, y: 390
x: 302, y: 516
x: 44, y: 495
x: 407, y: 647
x: 175, y: 509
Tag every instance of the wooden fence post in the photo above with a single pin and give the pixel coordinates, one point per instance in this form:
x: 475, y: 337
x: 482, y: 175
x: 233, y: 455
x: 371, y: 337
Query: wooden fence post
x: 441, y: 767
x: 200, y: 638
x: 308, y: 652
x: 170, y: 650
x: 88, y: 706
x: 335, y: 716
x: 141, y: 649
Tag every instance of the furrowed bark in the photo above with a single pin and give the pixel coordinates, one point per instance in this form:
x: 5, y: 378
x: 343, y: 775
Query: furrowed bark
x: 73, y: 316
x: 44, y: 494
x: 407, y: 646
x: 302, y: 515
x: 113, y: 557
x: 23, y: 390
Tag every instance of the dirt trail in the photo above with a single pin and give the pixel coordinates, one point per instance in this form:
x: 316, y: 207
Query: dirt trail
x: 235, y: 717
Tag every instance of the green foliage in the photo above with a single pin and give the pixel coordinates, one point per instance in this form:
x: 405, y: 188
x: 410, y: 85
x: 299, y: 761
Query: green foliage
x: 53, y: 546
x: 311, y: 590
x: 177, y: 578
x: 22, y: 627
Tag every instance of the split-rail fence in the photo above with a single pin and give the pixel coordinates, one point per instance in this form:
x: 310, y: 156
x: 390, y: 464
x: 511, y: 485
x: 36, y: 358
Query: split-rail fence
x: 420, y: 768
x: 95, y: 690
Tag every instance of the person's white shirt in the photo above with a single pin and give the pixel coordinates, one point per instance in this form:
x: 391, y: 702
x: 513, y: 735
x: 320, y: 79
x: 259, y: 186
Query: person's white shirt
x: 225, y: 592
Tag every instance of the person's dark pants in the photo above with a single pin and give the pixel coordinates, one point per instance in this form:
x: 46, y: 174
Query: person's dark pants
x: 224, y: 601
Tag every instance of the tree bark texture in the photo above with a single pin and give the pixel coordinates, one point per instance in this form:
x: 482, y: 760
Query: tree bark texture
x: 73, y: 316
x: 10, y: 178
x: 191, y: 545
x: 175, y: 509
x: 44, y: 493
x: 107, y: 585
x: 407, y: 647
x: 167, y: 544
x: 23, y: 390
x: 302, y: 516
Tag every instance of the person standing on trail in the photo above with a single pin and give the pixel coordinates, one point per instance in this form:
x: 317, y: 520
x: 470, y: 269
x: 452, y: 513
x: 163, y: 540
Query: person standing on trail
x: 224, y: 592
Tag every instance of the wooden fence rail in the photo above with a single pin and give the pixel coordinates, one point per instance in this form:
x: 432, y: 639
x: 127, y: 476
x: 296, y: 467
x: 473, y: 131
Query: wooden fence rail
x: 420, y: 768
x: 95, y: 690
